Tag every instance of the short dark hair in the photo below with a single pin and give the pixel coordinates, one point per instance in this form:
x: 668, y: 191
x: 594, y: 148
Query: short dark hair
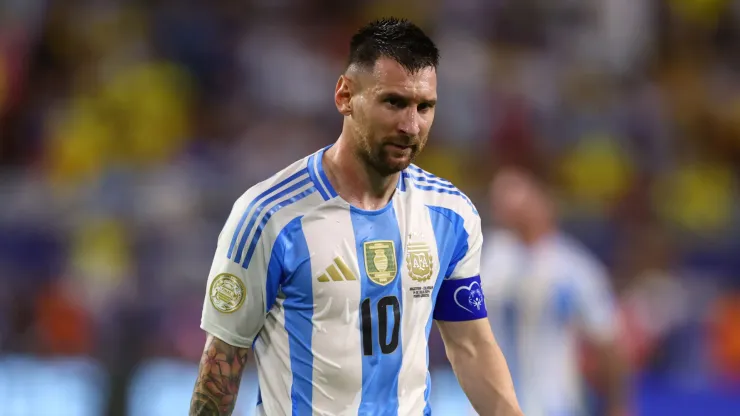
x: 393, y: 38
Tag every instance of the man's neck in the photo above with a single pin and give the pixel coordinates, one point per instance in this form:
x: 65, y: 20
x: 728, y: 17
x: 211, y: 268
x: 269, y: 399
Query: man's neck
x: 536, y: 233
x: 354, y: 180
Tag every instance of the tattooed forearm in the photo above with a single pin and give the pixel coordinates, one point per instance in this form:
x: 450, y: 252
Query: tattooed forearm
x: 219, y: 376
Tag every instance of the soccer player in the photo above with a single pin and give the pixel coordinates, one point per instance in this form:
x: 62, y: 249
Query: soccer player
x: 333, y: 269
x: 546, y: 293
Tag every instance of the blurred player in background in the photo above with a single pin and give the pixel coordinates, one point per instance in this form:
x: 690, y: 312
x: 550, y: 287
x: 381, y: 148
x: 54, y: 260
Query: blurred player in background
x: 546, y: 294
x: 334, y: 268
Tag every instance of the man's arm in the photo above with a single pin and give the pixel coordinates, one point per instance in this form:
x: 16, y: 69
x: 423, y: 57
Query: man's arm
x: 599, y: 324
x: 219, y: 376
x: 613, y: 371
x: 480, y: 367
x: 240, y: 289
x: 460, y: 312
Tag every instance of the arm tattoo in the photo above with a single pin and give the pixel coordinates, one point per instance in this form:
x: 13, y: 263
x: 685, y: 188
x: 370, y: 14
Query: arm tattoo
x: 219, y: 375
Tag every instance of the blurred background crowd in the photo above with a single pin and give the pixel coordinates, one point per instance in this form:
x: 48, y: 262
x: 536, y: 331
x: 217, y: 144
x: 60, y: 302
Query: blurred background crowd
x: 128, y: 129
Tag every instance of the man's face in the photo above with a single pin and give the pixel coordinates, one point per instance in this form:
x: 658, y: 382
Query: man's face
x: 392, y: 112
x: 513, y: 199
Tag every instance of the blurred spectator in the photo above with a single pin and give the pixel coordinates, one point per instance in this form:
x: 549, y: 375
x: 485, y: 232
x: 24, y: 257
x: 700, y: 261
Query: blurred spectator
x: 546, y: 294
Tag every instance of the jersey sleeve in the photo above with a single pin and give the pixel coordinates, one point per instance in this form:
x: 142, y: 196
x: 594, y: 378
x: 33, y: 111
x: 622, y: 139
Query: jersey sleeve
x: 236, y: 301
x: 596, y: 302
x: 460, y: 296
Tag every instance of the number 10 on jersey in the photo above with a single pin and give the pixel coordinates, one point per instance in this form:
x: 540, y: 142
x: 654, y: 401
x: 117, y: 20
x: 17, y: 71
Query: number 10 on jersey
x: 381, y: 316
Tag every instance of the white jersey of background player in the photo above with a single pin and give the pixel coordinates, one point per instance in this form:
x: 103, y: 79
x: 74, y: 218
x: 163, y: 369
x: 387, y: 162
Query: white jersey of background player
x: 334, y: 268
x: 545, y: 292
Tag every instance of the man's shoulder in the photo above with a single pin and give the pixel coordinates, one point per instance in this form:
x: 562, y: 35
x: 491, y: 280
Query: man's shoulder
x: 438, y: 192
x: 501, y: 239
x: 578, y: 257
x: 290, y: 177
x: 500, y: 246
x: 277, y: 200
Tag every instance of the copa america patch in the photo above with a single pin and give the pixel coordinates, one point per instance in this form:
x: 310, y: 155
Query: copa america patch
x: 460, y: 300
x: 227, y: 293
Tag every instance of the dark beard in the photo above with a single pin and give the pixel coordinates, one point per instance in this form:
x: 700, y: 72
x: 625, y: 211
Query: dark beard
x: 377, y: 157
x: 378, y: 160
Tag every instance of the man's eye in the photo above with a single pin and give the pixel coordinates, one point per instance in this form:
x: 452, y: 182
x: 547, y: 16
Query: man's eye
x: 395, y: 102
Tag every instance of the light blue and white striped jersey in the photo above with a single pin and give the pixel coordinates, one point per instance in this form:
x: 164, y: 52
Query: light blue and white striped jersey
x: 338, y: 302
x: 540, y: 299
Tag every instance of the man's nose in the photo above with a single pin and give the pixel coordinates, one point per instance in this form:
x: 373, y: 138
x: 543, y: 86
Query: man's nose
x: 410, y: 123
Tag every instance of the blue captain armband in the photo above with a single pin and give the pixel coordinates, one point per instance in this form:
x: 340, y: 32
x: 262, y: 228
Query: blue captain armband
x: 460, y: 300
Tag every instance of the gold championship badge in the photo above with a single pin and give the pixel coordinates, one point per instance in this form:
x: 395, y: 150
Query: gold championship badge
x: 380, y: 261
x: 227, y: 293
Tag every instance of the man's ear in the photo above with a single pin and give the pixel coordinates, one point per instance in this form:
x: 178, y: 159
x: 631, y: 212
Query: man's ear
x: 343, y: 95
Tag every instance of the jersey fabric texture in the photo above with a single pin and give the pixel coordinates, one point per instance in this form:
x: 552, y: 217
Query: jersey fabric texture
x: 337, y: 301
x: 541, y: 299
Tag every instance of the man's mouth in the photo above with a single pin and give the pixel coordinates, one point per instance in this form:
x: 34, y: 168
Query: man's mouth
x: 399, y: 146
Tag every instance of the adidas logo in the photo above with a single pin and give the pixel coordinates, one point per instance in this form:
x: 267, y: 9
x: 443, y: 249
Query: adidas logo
x: 337, y: 272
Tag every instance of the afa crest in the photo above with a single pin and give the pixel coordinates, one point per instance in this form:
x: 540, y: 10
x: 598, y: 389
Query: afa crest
x: 419, y: 261
x: 380, y: 261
